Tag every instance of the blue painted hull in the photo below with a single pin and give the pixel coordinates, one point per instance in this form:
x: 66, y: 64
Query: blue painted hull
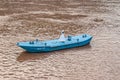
x: 53, y: 45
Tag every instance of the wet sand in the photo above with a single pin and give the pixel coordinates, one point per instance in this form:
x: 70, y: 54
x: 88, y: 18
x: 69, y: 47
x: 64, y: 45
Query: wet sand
x: 22, y: 20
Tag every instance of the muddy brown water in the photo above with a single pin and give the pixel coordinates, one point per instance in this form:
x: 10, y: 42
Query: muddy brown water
x: 22, y: 20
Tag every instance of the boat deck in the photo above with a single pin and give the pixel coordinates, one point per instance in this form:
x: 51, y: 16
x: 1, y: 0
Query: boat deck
x: 56, y: 42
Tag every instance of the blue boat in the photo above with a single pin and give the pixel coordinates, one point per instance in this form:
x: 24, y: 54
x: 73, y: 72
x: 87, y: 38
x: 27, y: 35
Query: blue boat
x: 62, y: 42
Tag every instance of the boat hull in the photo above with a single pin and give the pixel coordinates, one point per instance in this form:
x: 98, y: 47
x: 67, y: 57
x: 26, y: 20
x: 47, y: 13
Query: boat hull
x: 54, y: 45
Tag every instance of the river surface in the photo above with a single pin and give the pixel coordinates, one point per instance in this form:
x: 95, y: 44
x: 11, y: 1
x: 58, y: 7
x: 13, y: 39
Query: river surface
x: 22, y: 20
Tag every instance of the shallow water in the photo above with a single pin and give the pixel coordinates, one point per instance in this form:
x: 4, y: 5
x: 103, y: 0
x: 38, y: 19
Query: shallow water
x: 22, y: 20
